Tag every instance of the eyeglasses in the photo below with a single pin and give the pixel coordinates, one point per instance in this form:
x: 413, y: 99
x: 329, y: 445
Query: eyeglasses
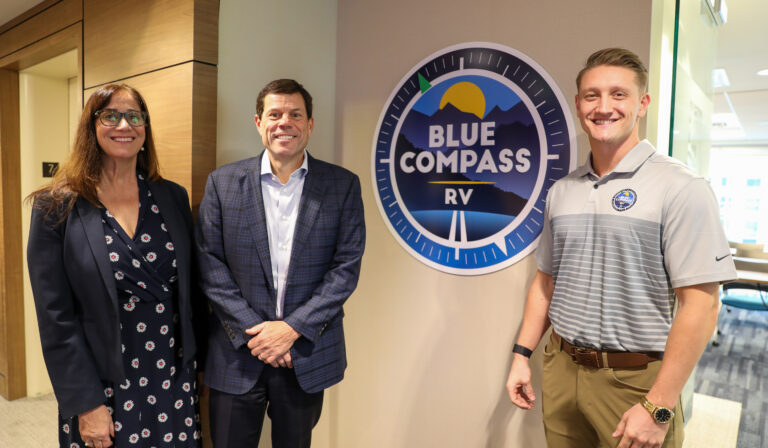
x: 112, y: 118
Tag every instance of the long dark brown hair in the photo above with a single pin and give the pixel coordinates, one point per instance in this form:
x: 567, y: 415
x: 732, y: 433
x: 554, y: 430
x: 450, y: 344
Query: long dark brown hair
x: 80, y: 174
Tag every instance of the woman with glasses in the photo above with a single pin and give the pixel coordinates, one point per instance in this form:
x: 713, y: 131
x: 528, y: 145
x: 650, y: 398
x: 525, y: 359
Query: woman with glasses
x: 110, y: 262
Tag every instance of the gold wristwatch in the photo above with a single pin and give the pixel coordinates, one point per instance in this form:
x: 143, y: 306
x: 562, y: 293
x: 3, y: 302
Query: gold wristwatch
x: 659, y: 413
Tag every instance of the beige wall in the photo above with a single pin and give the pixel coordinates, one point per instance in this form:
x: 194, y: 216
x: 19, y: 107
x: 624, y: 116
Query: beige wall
x: 255, y: 47
x: 46, y: 110
x: 429, y: 352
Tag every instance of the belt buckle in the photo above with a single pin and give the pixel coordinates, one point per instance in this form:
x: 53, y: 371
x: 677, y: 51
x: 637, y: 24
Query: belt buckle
x: 586, y: 357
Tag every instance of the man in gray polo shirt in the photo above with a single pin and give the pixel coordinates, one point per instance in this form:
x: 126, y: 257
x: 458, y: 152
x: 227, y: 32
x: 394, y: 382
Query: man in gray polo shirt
x: 626, y: 236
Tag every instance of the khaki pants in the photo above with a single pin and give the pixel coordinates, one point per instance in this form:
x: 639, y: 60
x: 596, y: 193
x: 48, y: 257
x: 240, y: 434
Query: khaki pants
x: 583, y: 405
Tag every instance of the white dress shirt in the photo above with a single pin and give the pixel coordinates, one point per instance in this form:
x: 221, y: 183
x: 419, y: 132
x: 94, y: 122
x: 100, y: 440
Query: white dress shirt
x: 281, y: 208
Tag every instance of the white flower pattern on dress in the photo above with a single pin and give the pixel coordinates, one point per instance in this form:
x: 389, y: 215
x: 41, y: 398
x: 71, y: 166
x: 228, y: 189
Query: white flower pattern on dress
x: 146, y: 339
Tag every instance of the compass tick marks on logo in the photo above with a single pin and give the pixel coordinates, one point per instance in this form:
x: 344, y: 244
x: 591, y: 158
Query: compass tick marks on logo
x: 466, y: 149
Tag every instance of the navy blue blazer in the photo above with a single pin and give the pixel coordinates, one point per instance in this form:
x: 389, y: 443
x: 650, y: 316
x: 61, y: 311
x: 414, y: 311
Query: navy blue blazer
x: 236, y: 272
x: 76, y: 297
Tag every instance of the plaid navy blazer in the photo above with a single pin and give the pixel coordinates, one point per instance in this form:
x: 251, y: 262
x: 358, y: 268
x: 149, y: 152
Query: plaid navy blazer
x: 236, y: 272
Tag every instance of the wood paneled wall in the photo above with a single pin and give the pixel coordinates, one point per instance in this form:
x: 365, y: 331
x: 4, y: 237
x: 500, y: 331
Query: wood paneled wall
x: 13, y: 380
x: 167, y: 49
x: 150, y: 35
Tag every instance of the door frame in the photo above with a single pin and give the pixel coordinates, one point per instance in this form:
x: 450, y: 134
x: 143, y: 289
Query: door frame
x: 13, y: 375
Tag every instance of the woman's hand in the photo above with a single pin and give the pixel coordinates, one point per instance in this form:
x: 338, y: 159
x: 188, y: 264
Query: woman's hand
x: 96, y: 427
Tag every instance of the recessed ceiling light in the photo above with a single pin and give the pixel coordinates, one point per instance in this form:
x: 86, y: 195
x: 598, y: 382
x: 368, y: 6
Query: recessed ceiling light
x: 720, y: 78
x: 763, y: 72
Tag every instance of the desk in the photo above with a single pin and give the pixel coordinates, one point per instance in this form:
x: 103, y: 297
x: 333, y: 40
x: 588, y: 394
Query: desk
x: 757, y: 267
x: 752, y: 276
x: 758, y: 261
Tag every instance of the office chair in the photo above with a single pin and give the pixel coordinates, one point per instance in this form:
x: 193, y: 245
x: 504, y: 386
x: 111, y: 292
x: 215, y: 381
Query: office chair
x: 745, y: 295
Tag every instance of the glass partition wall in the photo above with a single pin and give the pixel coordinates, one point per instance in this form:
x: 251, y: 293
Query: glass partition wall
x: 719, y: 116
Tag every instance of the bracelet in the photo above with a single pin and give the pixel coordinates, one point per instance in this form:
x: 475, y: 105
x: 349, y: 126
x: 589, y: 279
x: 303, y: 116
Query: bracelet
x: 522, y: 350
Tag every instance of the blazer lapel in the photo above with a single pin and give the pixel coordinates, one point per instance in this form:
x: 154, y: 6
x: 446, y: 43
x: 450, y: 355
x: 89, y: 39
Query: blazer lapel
x: 90, y: 217
x: 253, y: 209
x: 311, y: 201
x: 176, y: 229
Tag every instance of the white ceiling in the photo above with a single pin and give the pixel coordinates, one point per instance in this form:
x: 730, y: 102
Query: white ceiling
x: 742, y: 50
x: 61, y: 66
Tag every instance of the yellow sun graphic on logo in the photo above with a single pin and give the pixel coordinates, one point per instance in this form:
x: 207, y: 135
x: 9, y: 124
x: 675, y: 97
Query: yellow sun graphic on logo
x: 466, y: 97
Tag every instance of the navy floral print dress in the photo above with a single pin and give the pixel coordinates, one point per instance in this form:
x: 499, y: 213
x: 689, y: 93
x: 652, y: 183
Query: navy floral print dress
x: 157, y: 405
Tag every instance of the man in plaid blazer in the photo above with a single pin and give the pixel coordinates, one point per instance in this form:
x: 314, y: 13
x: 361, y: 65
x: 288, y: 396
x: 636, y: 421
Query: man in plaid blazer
x: 279, y: 239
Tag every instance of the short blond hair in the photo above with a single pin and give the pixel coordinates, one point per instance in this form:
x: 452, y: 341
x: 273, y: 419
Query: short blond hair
x: 617, y: 57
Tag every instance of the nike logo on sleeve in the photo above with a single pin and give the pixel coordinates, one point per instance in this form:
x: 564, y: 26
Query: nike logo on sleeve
x: 721, y: 258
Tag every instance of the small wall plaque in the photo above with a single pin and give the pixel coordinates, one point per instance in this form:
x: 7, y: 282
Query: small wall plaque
x: 50, y: 168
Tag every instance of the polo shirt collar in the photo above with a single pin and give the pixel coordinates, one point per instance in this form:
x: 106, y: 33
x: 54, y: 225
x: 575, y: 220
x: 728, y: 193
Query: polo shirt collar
x: 266, y: 165
x: 628, y: 164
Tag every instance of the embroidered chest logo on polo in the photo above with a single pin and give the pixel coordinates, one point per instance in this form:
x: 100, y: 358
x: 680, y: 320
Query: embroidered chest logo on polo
x: 624, y: 200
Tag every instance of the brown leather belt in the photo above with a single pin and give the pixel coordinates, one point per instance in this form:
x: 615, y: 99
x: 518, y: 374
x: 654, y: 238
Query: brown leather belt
x: 600, y: 359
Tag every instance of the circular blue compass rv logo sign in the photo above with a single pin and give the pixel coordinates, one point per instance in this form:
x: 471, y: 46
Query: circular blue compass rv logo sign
x: 466, y: 148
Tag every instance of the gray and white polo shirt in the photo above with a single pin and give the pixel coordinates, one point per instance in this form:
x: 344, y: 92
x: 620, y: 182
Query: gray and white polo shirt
x: 616, y: 247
